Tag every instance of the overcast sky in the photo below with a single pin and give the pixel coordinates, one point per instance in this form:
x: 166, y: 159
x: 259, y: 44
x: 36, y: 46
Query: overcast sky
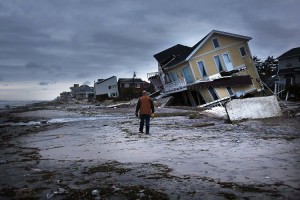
x: 48, y: 45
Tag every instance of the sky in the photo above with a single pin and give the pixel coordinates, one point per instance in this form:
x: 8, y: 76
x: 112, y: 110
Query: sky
x: 46, y: 46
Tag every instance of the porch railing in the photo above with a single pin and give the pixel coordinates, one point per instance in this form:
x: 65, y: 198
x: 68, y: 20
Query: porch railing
x: 178, y: 85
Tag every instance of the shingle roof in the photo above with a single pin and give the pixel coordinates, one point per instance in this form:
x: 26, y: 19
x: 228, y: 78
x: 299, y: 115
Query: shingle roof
x: 291, y: 53
x: 130, y: 80
x: 173, y: 55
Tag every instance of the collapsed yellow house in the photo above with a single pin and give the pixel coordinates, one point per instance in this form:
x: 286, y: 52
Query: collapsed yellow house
x: 216, y: 68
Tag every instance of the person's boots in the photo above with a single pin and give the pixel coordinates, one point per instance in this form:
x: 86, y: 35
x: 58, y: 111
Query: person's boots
x: 147, y: 129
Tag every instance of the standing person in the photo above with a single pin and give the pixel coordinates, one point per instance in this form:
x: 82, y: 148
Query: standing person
x: 146, y: 108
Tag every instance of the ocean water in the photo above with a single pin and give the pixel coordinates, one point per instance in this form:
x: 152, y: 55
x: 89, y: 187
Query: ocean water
x: 12, y: 104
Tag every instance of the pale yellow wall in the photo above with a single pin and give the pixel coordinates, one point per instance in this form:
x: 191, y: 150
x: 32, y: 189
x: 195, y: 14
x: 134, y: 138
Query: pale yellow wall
x: 208, y: 56
x: 205, y: 94
x: 207, y: 52
x: 178, y: 69
x: 222, y: 92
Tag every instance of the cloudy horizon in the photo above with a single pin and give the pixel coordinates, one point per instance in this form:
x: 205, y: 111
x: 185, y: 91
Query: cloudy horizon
x: 46, y: 46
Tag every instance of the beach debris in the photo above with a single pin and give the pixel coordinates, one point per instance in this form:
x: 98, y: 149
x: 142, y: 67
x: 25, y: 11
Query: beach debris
x: 120, y: 105
x: 3, y: 161
x: 43, y: 121
x: 36, y: 170
x: 58, y: 191
x: 115, y: 188
x: 253, y: 108
x: 95, y: 192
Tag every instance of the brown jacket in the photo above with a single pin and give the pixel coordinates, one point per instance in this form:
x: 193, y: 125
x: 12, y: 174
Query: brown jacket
x: 145, y: 105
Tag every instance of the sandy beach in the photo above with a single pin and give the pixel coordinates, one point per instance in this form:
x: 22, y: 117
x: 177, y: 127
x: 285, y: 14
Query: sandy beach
x: 83, y: 151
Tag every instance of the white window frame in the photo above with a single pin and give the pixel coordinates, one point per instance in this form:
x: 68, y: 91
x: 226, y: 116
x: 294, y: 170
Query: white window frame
x: 229, y: 57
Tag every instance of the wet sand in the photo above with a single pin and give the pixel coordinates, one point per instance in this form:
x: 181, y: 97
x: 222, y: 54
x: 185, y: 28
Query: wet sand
x: 88, y: 152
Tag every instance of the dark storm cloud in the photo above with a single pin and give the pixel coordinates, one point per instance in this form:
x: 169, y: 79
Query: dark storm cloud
x: 44, y: 83
x: 76, y: 39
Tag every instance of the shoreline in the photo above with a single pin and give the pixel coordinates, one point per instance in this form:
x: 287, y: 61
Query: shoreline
x: 188, y: 155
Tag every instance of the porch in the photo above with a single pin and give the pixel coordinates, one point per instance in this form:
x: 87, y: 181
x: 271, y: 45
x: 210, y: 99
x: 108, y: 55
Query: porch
x: 176, y: 86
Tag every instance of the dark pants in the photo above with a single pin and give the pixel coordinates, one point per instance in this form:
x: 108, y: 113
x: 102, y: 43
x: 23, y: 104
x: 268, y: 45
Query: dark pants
x: 146, y: 118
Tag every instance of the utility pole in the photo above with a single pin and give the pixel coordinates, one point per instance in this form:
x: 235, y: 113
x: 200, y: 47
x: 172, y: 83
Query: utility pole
x: 134, y: 75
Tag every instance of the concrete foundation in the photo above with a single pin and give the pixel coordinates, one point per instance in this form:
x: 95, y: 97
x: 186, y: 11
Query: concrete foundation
x: 253, y: 108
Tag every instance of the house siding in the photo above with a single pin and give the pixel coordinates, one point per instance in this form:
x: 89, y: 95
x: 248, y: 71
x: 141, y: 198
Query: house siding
x: 108, y: 86
x: 205, y: 51
x: 229, y: 45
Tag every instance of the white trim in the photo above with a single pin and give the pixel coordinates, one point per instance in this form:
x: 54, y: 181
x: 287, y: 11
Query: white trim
x: 225, y: 47
x: 229, y: 56
x: 213, y: 102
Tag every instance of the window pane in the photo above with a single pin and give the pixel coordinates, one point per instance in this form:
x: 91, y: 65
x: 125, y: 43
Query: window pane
x: 243, y: 52
x: 213, y: 93
x: 229, y: 90
x: 218, y: 63
x: 216, y: 43
x: 202, y: 69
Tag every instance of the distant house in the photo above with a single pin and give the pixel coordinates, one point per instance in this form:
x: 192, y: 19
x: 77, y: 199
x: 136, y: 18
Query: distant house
x: 64, y: 96
x: 105, y: 88
x: 82, y: 92
x: 289, y: 70
x: 217, y: 67
x: 132, y: 87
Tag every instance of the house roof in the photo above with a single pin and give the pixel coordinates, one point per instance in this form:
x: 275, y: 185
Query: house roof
x: 129, y: 80
x: 288, y: 71
x: 180, y: 53
x: 290, y: 53
x: 173, y: 55
x: 103, y: 80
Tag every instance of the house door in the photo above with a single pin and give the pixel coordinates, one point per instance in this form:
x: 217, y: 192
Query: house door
x: 187, y: 74
x: 227, y: 61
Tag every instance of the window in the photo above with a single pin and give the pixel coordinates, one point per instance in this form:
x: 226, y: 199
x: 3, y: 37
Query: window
x: 137, y: 85
x: 243, y: 52
x: 213, y: 93
x: 126, y: 85
x: 230, y: 91
x: 218, y: 63
x: 202, y: 69
x: 173, y: 76
x: 216, y: 43
x: 227, y: 61
x: 109, y: 87
x: 187, y: 74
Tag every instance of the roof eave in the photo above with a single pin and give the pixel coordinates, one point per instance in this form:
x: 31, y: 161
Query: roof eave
x: 210, y: 34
